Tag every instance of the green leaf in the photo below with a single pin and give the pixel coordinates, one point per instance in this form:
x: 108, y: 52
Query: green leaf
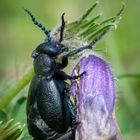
x: 86, y: 14
x: 4, y: 127
x: 19, y: 110
x: 10, y: 131
x: 3, y: 116
x: 26, y: 138
x: 97, y: 32
x: 89, y: 30
x: 74, y: 27
x: 90, y: 22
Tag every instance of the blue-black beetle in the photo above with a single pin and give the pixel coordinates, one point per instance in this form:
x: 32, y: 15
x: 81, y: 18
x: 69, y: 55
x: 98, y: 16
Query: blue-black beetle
x: 50, y: 113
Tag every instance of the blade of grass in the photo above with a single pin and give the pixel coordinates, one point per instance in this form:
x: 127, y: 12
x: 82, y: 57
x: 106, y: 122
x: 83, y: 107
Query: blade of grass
x: 75, y: 26
x: 90, y: 22
x: 88, y: 30
x: 84, y: 16
x: 10, y: 131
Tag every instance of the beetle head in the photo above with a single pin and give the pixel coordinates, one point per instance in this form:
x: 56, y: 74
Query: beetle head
x: 49, y: 47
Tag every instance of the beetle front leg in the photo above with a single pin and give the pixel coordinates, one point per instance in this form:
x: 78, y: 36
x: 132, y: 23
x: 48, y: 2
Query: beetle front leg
x: 64, y: 63
x: 69, y: 109
x: 63, y: 76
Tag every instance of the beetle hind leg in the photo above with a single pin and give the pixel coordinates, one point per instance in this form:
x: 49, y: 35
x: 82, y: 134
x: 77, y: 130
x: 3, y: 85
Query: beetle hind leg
x: 70, y: 105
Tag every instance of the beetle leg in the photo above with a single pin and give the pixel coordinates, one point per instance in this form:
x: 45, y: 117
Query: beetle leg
x: 67, y: 136
x: 78, y: 76
x: 63, y: 76
x: 69, y: 106
x: 64, y: 63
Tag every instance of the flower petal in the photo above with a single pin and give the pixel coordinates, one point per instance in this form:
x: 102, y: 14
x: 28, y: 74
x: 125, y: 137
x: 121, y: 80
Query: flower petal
x: 95, y: 98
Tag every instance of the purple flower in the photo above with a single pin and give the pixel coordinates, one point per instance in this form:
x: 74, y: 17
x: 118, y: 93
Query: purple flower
x: 94, y: 93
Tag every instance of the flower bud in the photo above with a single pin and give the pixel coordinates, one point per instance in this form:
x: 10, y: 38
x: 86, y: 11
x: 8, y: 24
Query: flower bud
x: 94, y: 94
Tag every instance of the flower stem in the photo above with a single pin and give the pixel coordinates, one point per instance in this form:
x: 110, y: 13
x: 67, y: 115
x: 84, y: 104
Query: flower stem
x: 13, y: 91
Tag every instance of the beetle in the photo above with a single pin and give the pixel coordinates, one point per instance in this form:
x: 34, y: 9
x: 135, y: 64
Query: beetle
x: 50, y: 112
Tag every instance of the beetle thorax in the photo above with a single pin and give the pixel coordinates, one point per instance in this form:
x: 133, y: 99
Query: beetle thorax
x: 44, y: 65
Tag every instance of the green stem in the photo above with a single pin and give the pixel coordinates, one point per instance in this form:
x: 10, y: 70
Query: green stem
x: 13, y: 91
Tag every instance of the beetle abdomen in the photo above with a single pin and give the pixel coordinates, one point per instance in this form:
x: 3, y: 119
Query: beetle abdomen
x: 49, y: 104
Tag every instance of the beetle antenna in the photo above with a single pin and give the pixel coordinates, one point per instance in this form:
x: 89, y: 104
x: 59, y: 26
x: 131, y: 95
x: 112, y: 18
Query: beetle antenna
x: 39, y: 25
x: 62, y: 28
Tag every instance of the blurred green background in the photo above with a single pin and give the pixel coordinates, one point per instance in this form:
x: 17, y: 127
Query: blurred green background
x: 18, y: 37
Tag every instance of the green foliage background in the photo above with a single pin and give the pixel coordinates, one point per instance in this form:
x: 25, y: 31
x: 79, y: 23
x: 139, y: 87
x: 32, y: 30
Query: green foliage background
x: 18, y: 37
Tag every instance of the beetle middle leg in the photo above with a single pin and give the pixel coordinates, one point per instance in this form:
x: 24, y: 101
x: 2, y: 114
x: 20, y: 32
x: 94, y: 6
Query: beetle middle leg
x: 63, y: 76
x: 67, y: 99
